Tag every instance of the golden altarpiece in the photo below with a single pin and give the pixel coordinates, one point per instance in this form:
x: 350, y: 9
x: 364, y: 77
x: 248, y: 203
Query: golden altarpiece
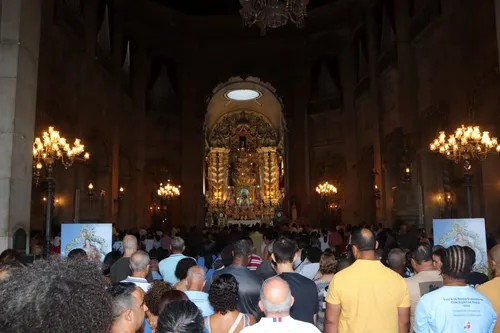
x: 244, y: 167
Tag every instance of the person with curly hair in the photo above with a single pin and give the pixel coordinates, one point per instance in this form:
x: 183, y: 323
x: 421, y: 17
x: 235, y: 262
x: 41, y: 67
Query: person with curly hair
x: 152, y: 300
x: 224, y: 296
x: 171, y: 296
x: 327, y: 266
x: 56, y: 296
x: 180, y: 317
x: 181, y: 272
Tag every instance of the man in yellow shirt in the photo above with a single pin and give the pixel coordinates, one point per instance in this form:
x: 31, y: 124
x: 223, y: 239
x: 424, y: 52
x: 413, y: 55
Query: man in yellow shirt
x: 367, y: 297
x: 491, y: 288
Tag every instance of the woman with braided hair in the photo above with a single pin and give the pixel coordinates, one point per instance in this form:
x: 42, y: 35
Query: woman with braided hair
x: 455, y: 307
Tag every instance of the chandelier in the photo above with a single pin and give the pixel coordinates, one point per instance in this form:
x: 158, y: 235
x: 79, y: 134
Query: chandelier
x: 465, y: 144
x: 168, y: 191
x: 273, y: 13
x: 52, y: 147
x: 326, y: 189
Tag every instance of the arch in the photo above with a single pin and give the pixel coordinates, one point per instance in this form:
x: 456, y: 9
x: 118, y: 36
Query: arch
x: 20, y: 240
x: 268, y: 104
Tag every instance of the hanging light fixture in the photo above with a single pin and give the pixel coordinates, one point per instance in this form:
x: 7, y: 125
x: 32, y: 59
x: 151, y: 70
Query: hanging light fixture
x: 466, y: 144
x: 273, y: 13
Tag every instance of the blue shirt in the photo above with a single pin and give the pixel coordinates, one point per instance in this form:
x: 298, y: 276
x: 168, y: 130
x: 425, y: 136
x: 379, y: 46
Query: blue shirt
x: 167, y: 268
x: 156, y: 275
x: 147, y: 328
x: 454, y: 309
x: 201, y: 300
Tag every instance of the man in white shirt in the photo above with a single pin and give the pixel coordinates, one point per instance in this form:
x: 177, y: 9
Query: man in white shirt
x: 276, y: 301
x: 139, y: 265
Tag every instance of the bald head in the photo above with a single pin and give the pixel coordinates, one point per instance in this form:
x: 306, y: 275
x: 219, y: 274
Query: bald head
x: 139, y: 264
x: 275, y: 297
x: 196, y: 278
x: 363, y: 239
x: 129, y: 245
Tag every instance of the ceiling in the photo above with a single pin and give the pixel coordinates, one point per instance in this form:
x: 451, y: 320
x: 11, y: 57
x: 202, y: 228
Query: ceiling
x: 218, y: 7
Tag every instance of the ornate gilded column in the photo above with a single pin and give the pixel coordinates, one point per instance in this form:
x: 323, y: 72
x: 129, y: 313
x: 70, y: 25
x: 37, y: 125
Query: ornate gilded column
x: 218, y: 173
x: 269, y: 172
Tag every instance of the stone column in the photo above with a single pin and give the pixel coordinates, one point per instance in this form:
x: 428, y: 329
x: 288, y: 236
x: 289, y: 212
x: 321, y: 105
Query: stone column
x: 298, y: 141
x: 497, y: 23
x: 351, y: 187
x: 192, y: 155
x: 373, y: 55
x: 19, y: 49
x: 139, y: 82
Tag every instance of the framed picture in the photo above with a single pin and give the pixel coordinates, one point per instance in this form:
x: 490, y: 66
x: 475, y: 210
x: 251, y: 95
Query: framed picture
x: 94, y: 239
x: 464, y: 232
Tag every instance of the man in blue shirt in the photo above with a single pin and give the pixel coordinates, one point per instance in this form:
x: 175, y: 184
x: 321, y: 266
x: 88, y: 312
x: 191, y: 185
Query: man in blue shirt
x: 196, y: 279
x: 455, y: 307
x: 167, y: 266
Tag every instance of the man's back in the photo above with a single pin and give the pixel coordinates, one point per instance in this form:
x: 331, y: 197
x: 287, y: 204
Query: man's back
x: 200, y: 298
x: 120, y: 270
x: 491, y: 291
x: 249, y: 287
x: 421, y: 284
x: 305, y: 294
x: 167, y: 268
x: 369, y: 294
x: 454, y: 309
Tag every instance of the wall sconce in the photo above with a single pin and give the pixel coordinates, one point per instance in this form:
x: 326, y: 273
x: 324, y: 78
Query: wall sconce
x: 121, y: 191
x: 90, y: 192
x: 407, y: 174
x: 448, y: 198
x: 376, y: 192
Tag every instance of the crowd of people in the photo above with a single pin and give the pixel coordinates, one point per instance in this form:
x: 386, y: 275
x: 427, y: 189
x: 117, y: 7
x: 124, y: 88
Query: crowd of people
x: 283, y: 278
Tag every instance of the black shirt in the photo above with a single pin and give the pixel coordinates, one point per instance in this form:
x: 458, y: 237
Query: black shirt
x: 476, y: 279
x: 305, y: 294
x: 266, y: 270
x: 249, y: 288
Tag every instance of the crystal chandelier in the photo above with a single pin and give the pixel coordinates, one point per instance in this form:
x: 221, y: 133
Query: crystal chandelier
x: 465, y: 144
x: 273, y: 13
x: 168, y: 191
x: 326, y: 189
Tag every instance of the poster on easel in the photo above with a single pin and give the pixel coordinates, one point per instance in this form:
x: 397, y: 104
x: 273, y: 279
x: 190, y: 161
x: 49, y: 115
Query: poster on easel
x: 94, y: 239
x: 469, y: 232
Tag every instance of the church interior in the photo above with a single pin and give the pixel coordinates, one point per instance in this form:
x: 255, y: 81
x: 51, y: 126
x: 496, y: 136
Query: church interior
x: 158, y: 113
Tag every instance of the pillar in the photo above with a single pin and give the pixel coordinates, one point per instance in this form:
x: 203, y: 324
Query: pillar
x: 192, y: 151
x: 298, y: 138
x: 19, y: 49
x: 139, y: 78
x: 497, y: 24
x: 377, y: 138
x: 351, y: 186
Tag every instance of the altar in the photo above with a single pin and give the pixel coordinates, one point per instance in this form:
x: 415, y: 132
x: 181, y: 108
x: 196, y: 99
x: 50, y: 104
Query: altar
x: 243, y: 222
x: 244, y: 168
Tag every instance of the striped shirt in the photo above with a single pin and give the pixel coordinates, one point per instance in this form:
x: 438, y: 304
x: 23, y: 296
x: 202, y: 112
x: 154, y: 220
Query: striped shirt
x: 255, y: 262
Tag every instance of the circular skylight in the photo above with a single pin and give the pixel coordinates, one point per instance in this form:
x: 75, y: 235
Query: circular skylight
x: 243, y: 94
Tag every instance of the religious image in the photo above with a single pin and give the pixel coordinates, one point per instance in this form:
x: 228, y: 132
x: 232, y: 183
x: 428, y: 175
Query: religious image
x: 464, y: 232
x: 94, y: 239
